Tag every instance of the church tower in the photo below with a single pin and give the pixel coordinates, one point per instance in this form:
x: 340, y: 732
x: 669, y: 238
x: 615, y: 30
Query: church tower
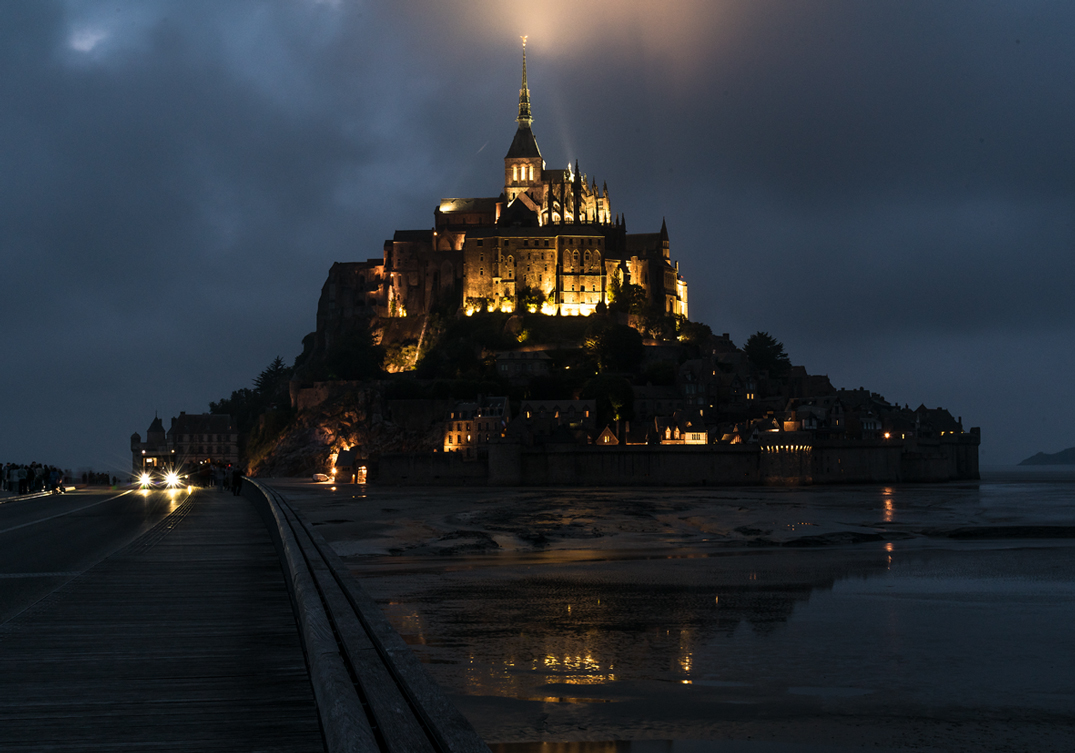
x: 523, y: 163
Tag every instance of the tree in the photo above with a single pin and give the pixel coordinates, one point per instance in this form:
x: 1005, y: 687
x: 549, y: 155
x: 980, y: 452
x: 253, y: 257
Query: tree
x: 694, y: 333
x: 530, y: 299
x: 614, y: 288
x: 246, y: 405
x: 614, y: 396
x: 630, y: 298
x: 618, y: 348
x: 273, y: 378
x: 766, y: 352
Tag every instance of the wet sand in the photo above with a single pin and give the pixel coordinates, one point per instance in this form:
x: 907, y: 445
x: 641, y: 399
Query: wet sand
x: 850, y: 618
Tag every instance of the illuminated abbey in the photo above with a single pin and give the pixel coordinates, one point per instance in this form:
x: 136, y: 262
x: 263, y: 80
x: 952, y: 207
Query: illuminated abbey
x: 549, y: 242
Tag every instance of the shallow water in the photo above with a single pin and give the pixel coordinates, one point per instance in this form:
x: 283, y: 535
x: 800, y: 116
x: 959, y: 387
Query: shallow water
x: 726, y: 620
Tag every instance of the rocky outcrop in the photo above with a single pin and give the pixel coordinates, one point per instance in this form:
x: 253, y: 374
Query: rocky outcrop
x: 345, y: 415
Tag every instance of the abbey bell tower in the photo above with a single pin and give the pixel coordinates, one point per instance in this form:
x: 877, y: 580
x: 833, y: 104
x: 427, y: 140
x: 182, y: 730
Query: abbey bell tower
x: 523, y: 163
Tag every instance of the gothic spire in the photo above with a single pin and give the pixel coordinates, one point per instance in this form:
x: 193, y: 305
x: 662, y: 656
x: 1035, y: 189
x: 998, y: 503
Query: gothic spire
x: 524, y: 119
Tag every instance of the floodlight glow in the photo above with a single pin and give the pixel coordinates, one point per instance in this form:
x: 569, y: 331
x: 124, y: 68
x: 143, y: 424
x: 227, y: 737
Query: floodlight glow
x: 144, y: 479
x: 171, y: 478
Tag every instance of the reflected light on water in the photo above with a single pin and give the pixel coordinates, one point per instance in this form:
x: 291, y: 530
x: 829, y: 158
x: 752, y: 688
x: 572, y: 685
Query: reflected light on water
x: 889, y: 514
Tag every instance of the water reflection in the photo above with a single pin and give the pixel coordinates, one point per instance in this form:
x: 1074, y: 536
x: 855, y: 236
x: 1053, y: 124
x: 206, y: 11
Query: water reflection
x: 589, y: 630
x: 635, y: 613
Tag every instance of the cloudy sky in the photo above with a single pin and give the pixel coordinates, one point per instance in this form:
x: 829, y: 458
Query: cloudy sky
x: 888, y: 187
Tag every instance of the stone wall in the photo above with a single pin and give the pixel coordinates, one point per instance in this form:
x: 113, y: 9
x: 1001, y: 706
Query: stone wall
x: 571, y: 465
x: 787, y: 461
x: 428, y: 469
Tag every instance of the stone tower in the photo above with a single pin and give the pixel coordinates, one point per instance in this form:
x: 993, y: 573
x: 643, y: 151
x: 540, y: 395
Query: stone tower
x: 523, y: 164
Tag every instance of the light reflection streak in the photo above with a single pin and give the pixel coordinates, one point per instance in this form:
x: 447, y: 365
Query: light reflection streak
x: 889, y: 514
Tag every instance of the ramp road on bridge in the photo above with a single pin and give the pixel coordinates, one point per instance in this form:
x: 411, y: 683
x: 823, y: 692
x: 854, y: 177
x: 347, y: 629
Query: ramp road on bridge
x: 182, y: 638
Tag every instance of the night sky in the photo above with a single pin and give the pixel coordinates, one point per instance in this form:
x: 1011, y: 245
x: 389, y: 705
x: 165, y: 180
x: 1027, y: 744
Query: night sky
x: 886, y: 187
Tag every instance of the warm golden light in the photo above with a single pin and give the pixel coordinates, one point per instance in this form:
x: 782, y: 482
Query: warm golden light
x: 145, y: 479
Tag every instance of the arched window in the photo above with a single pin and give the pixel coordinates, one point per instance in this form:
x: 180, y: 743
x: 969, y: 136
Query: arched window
x: 575, y: 258
x: 514, y: 173
x: 531, y: 172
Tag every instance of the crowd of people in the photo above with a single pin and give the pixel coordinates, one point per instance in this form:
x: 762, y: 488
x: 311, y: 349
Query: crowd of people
x: 219, y: 477
x: 30, y: 478
x: 90, y: 478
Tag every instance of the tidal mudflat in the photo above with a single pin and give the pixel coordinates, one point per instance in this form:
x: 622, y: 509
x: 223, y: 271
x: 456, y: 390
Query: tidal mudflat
x: 701, y: 620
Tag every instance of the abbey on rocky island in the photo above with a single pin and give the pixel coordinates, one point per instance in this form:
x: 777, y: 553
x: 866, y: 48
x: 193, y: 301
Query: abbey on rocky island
x: 549, y: 242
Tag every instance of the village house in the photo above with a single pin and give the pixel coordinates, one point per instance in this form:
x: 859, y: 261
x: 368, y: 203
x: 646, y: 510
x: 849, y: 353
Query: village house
x: 473, y: 425
x: 520, y: 366
x: 192, y: 439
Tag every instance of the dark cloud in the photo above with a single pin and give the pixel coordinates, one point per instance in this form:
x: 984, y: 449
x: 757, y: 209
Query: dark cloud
x: 888, y: 187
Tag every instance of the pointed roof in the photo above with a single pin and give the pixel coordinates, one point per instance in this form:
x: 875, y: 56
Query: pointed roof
x: 524, y: 119
x: 524, y: 145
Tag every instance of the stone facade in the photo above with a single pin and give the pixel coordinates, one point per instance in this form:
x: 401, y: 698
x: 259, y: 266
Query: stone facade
x: 192, y: 439
x: 549, y: 231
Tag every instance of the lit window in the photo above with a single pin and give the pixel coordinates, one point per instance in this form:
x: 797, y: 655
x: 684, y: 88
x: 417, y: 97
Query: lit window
x: 514, y: 173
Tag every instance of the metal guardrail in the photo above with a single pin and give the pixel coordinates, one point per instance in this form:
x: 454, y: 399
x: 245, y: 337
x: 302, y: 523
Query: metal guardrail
x: 372, y: 692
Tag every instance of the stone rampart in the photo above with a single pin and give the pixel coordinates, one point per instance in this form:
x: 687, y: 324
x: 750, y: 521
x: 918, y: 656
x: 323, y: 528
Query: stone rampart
x: 647, y: 465
x: 785, y: 459
x: 430, y: 469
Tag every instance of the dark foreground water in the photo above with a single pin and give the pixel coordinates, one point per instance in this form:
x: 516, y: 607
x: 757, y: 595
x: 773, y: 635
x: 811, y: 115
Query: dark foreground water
x: 755, y: 620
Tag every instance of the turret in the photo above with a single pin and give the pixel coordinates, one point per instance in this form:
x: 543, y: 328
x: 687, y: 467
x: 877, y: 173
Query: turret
x: 523, y: 163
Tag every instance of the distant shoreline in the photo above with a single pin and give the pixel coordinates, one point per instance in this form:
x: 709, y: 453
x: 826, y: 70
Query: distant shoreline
x: 1064, y: 457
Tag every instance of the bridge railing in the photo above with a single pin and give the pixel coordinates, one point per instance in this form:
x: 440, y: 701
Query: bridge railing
x: 372, y: 692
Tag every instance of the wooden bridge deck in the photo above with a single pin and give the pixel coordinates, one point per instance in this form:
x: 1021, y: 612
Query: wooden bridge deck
x: 185, y: 640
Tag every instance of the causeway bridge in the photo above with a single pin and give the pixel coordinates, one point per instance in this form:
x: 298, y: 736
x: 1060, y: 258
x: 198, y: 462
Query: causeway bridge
x: 199, y: 621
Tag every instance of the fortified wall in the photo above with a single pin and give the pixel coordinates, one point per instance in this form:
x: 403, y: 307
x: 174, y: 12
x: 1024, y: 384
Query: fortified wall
x: 790, y: 462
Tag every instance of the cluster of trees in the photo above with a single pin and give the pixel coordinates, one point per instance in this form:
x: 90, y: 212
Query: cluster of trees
x: 457, y: 362
x: 270, y: 392
x: 766, y: 352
